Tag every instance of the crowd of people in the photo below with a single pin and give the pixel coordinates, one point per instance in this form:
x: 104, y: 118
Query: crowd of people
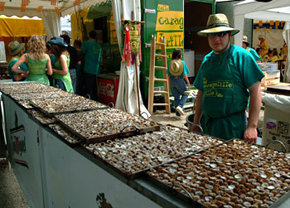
x: 264, y: 53
x: 72, y: 68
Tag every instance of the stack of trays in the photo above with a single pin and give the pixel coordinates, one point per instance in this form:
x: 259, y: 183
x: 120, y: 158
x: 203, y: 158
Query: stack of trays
x: 136, y: 154
x: 236, y: 174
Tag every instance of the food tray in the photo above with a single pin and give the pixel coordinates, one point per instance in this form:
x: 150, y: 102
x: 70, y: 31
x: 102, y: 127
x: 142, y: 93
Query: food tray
x: 25, y: 87
x: 57, y: 93
x: 134, y: 155
x: 25, y: 104
x: 42, y: 118
x: 66, y: 105
x: 100, y: 125
x: 236, y: 174
x: 68, y: 137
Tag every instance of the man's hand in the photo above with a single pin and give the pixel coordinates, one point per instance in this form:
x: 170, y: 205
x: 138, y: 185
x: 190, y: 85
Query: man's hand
x: 250, y: 134
x: 195, y: 128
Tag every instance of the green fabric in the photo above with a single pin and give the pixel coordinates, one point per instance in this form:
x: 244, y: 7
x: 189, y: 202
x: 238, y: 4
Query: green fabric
x: 52, y: 59
x: 91, y: 56
x: 185, y: 69
x: 254, y: 54
x: 12, y: 61
x: 100, y: 10
x: 66, y: 79
x: 223, y: 80
x: 37, y: 70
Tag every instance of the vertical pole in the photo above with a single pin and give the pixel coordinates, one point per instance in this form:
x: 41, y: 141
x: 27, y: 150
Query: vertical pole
x: 213, y: 7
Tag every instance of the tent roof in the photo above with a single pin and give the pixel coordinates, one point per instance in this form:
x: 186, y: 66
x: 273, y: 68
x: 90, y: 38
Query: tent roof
x: 274, y: 10
x: 65, y: 6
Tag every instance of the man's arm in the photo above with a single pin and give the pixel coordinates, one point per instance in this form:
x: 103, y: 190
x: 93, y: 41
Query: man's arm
x: 250, y: 133
x: 197, y: 113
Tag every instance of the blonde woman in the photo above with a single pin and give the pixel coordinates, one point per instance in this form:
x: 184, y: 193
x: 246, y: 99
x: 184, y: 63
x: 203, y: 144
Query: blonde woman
x: 37, y: 60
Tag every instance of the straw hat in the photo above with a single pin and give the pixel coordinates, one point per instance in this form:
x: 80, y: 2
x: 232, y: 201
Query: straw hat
x: 217, y: 23
x: 57, y: 41
x: 15, y: 47
x: 245, y: 39
x: 176, y: 67
x: 261, y: 36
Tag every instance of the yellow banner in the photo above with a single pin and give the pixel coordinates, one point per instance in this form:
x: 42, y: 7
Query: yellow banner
x: 173, y: 39
x: 169, y: 20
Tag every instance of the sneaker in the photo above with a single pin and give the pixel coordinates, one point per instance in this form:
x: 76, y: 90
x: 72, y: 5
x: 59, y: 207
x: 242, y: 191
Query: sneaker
x: 179, y: 110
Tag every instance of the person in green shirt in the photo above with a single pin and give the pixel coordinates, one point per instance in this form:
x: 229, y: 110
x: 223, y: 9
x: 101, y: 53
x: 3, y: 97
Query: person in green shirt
x: 16, y: 50
x: 178, y: 80
x: 37, y: 60
x: 91, y: 58
x: 246, y: 44
x: 222, y: 82
x: 61, y: 76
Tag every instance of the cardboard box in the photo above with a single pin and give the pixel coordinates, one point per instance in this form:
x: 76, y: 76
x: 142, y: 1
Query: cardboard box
x: 276, y: 129
x: 272, y: 77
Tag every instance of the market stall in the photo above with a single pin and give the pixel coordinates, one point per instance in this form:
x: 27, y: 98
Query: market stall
x: 69, y: 154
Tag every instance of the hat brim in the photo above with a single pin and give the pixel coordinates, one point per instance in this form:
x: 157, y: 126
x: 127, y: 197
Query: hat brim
x: 17, y: 51
x: 217, y: 30
x: 52, y: 42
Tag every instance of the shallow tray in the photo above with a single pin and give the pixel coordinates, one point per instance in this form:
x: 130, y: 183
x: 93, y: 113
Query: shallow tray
x: 208, y: 172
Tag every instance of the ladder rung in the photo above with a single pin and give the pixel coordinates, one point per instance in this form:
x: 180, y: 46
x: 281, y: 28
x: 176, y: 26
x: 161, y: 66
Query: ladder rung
x: 160, y: 43
x: 160, y: 55
x: 160, y: 104
x: 164, y: 92
x: 160, y: 67
x: 160, y: 80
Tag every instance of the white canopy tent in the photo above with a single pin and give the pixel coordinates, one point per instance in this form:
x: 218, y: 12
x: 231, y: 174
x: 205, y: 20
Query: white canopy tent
x: 51, y: 19
x: 276, y: 10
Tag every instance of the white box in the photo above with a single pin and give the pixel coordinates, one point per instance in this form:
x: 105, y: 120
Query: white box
x: 276, y: 128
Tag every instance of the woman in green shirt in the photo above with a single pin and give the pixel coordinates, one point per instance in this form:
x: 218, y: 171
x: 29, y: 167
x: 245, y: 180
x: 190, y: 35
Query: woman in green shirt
x: 37, y: 60
x: 61, y: 76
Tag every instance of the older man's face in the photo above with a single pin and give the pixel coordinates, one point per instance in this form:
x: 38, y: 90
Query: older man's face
x: 219, y: 42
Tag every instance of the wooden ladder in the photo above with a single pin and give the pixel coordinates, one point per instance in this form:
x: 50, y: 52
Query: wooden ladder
x: 153, y: 79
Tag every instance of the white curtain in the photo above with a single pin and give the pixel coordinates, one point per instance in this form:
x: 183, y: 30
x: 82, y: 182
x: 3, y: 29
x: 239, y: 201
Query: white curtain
x: 128, y: 93
x: 286, y: 36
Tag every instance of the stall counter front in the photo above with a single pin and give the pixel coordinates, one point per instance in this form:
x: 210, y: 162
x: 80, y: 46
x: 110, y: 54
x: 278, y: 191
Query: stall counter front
x: 53, y: 174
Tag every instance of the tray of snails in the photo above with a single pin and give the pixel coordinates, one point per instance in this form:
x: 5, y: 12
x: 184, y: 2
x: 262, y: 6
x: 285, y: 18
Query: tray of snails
x: 66, y: 105
x: 41, y: 117
x: 100, y: 125
x: 25, y: 87
x: 234, y: 174
x: 57, y: 93
x: 67, y: 136
x: 134, y: 155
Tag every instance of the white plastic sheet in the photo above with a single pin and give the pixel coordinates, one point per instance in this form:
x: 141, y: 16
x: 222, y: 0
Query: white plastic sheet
x: 279, y: 102
x: 286, y: 36
x: 128, y: 92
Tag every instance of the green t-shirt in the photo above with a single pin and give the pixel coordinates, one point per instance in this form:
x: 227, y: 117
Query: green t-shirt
x: 224, y: 80
x: 91, y: 56
x: 11, y: 63
x: 254, y: 54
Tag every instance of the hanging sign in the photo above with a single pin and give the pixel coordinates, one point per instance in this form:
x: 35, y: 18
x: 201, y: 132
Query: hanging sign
x: 39, y: 9
x: 2, y: 4
x: 169, y: 20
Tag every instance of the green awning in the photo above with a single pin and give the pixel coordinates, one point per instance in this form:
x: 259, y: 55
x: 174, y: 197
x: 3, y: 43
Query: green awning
x: 100, y: 10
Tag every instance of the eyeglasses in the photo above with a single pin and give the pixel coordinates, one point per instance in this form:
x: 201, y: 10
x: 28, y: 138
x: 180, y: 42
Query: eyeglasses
x: 219, y: 34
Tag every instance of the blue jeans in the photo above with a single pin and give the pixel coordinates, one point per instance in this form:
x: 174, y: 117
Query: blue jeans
x: 73, y: 76
x: 59, y: 84
x: 178, y: 87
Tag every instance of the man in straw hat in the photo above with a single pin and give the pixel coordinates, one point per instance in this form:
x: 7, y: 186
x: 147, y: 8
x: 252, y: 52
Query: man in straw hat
x: 16, y: 50
x: 222, y: 82
x: 251, y: 50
